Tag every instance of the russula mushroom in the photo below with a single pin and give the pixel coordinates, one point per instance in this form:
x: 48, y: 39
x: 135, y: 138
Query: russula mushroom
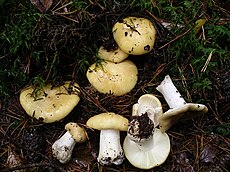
x: 51, y: 103
x: 150, y: 104
x: 63, y: 147
x: 115, y: 55
x: 134, y: 35
x: 179, y: 109
x: 110, y: 124
x: 113, y: 78
x: 145, y: 146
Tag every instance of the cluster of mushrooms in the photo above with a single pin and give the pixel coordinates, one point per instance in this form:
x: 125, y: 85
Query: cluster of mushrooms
x: 147, y: 144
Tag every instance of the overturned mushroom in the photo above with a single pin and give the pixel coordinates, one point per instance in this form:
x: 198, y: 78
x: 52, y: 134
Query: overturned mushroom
x: 51, y: 103
x: 134, y: 35
x: 145, y: 146
x: 150, y: 104
x: 179, y: 109
x: 63, y: 147
x: 110, y: 124
x: 114, y: 78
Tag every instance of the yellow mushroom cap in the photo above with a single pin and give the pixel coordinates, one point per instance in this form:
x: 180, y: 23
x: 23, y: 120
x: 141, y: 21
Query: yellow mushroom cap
x: 134, y: 35
x: 114, y: 56
x: 50, y: 104
x: 108, y: 121
x: 114, y: 78
x: 78, y: 133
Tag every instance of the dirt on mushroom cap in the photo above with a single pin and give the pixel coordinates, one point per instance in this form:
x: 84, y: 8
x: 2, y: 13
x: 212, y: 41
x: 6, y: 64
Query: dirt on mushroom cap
x: 50, y: 104
x: 78, y: 133
x: 134, y: 35
x: 113, y: 78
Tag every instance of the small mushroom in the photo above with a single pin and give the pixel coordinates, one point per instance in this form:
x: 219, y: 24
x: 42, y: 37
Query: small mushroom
x: 50, y: 104
x: 113, y: 78
x: 179, y: 109
x: 134, y: 35
x: 63, y: 147
x: 145, y: 146
x: 110, y: 124
x: 114, y: 55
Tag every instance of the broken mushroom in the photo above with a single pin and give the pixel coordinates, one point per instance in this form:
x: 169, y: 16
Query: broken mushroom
x: 179, y: 109
x: 110, y: 124
x: 145, y: 146
x: 150, y: 104
x: 113, y: 78
x: 114, y: 55
x: 51, y: 103
x: 63, y: 147
x: 134, y: 35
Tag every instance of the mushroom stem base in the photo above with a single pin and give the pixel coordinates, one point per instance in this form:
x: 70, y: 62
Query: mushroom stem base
x: 110, y: 151
x: 63, y: 147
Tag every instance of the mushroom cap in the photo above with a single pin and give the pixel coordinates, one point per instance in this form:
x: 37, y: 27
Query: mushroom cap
x: 108, y: 121
x: 50, y: 104
x: 78, y: 133
x: 116, y: 78
x: 150, y: 104
x: 114, y: 56
x: 186, y: 112
x: 149, y: 154
x: 134, y: 35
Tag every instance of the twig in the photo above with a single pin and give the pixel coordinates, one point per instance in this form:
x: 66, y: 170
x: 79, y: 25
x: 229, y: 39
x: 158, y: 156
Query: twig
x: 89, y: 98
x: 41, y: 164
x: 176, y: 38
x: 207, y: 61
x: 24, y: 148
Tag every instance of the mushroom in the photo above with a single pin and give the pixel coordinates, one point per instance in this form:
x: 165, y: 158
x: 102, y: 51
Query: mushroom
x: 179, y: 109
x: 110, y: 124
x: 150, y: 104
x: 51, y: 103
x: 113, y: 55
x: 63, y: 147
x: 134, y: 35
x: 114, y: 78
x: 145, y: 146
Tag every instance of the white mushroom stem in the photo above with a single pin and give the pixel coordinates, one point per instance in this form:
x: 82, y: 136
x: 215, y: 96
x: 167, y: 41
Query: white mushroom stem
x: 110, y: 151
x: 171, y: 95
x: 63, y: 147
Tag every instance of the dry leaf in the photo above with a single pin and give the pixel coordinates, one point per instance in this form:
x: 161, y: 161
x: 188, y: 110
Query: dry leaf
x: 14, y: 160
x: 199, y: 24
x: 207, y: 154
x: 42, y: 5
x: 185, y: 165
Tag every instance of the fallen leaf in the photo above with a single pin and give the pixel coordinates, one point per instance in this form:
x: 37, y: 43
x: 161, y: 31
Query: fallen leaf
x: 185, y: 165
x: 14, y: 160
x: 42, y: 5
x: 207, y: 154
x: 198, y: 25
